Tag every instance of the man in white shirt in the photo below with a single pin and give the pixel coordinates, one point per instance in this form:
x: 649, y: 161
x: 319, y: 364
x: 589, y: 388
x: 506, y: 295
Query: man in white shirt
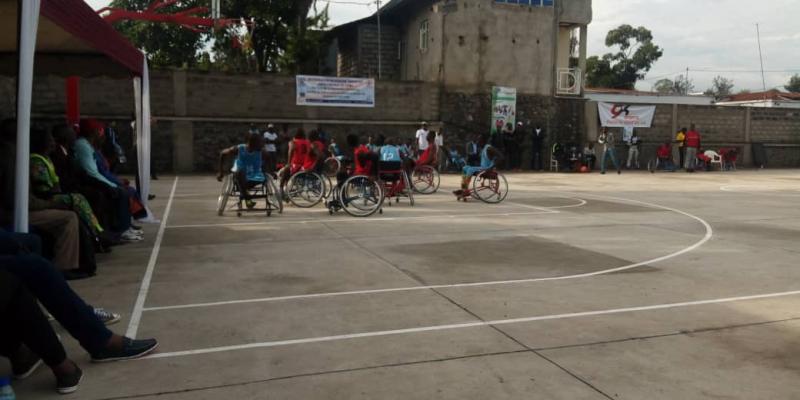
x: 422, y: 138
x: 270, y: 140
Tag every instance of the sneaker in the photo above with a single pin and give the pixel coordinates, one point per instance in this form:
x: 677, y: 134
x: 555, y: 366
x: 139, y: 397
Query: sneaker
x: 136, y: 229
x: 106, y: 317
x: 130, y: 349
x: 25, y: 363
x: 250, y: 204
x: 68, y: 383
x: 130, y: 236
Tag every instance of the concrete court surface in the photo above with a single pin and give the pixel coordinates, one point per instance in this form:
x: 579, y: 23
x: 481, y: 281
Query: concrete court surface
x: 640, y: 286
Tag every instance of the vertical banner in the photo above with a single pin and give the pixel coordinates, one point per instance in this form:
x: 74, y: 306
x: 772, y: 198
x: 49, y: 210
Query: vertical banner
x: 626, y: 115
x: 73, y: 100
x: 504, y: 107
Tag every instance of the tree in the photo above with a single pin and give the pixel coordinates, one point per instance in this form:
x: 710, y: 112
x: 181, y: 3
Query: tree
x: 794, y: 84
x: 720, y: 88
x: 679, y: 86
x: 634, y: 58
x: 665, y: 86
x: 166, y: 45
x: 273, y: 36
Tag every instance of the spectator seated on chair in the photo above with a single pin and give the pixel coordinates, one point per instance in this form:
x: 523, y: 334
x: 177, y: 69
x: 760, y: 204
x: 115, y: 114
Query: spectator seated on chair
x: 78, y: 318
x: 664, y: 155
x: 45, y: 184
x: 118, y: 197
x: 703, y: 161
x: 248, y: 169
x: 729, y: 157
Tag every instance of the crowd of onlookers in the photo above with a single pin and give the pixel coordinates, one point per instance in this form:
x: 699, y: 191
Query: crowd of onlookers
x: 78, y: 207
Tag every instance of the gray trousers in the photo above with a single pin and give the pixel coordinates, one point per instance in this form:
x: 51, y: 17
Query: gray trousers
x: 690, y: 158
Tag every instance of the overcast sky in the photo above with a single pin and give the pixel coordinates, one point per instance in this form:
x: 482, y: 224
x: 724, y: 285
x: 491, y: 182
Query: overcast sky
x: 707, y: 35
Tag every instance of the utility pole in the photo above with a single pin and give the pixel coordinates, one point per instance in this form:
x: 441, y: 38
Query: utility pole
x: 378, y: 2
x: 761, y: 57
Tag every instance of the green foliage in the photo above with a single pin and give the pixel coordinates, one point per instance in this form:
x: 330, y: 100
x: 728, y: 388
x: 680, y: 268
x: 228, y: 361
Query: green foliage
x: 794, y: 84
x: 635, y: 55
x: 166, y: 45
x: 721, y: 88
x: 273, y: 36
x: 679, y: 86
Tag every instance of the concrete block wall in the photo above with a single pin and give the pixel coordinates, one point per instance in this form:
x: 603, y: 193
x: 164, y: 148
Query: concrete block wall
x: 775, y: 125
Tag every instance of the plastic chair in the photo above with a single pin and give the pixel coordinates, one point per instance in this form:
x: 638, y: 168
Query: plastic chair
x: 714, y: 158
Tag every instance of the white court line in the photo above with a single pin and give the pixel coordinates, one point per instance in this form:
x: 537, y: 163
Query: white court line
x: 468, y: 325
x: 759, y: 189
x: 364, y: 220
x: 136, y: 315
x: 708, y: 235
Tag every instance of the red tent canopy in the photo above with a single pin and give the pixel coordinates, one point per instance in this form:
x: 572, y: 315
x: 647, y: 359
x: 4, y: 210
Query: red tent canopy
x: 71, y: 39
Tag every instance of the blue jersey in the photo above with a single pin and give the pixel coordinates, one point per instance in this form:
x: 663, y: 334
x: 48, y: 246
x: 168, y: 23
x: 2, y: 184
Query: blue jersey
x: 390, y: 153
x: 486, y: 162
x: 250, y: 162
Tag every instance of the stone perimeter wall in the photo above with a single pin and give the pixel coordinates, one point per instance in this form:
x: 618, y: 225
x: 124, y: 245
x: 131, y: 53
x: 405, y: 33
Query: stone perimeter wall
x: 197, y: 114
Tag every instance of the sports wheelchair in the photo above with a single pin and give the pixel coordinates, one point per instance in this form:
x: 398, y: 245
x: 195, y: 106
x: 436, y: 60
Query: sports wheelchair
x: 358, y: 196
x: 265, y: 190
x: 488, y: 186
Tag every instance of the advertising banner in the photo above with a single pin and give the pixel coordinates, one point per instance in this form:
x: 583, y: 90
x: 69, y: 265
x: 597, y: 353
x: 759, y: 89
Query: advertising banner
x: 626, y: 115
x: 504, y: 107
x: 335, y: 92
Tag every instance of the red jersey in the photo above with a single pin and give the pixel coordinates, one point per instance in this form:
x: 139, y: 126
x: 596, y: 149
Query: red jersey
x: 362, y: 167
x: 427, y: 156
x: 664, y: 151
x: 301, y: 149
x: 693, y: 139
x: 311, y: 159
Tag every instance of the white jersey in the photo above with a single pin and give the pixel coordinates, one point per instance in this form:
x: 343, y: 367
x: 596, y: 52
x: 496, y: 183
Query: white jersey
x: 422, y: 139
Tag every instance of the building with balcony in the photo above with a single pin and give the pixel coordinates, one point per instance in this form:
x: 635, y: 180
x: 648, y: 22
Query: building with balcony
x: 536, y: 46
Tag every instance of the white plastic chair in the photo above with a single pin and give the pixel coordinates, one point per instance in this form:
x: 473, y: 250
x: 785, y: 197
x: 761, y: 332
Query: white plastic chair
x: 716, y: 158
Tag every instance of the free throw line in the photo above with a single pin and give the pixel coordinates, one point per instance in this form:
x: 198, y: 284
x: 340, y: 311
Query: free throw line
x: 468, y: 325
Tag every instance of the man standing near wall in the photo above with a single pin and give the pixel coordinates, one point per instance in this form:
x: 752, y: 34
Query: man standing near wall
x: 680, y: 137
x: 606, y: 139
x: 538, y: 137
x: 422, y: 138
x: 271, y: 148
x: 691, y: 144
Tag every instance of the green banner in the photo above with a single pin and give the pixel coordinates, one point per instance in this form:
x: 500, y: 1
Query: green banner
x: 504, y: 107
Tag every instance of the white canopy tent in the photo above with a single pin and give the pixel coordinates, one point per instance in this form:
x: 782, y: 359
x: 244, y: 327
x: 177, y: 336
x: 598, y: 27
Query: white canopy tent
x: 61, y: 33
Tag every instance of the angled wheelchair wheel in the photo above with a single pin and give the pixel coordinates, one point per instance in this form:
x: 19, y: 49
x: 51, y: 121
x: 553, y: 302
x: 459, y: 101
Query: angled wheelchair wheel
x: 305, y: 189
x: 331, y: 167
x: 652, y: 165
x: 490, y: 187
x: 225, y: 194
x: 328, y: 187
x: 425, y: 179
x: 274, y: 197
x: 409, y: 191
x: 361, y: 196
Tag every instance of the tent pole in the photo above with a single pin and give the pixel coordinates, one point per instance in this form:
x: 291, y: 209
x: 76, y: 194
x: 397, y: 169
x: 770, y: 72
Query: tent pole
x: 26, y: 45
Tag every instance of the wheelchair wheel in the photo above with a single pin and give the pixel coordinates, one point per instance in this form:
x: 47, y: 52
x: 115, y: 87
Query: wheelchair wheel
x: 326, y: 180
x: 409, y: 191
x: 274, y: 197
x: 490, y: 187
x: 227, y: 187
x: 425, y: 180
x: 305, y: 189
x: 652, y: 165
x: 331, y: 167
x: 361, y: 196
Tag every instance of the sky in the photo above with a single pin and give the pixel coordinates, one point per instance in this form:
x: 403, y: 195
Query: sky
x: 710, y: 37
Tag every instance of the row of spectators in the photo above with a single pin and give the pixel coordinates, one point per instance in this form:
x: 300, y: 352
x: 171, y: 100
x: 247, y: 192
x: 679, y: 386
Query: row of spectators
x: 78, y: 207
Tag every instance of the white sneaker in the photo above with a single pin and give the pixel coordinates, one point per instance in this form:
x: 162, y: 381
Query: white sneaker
x: 130, y: 236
